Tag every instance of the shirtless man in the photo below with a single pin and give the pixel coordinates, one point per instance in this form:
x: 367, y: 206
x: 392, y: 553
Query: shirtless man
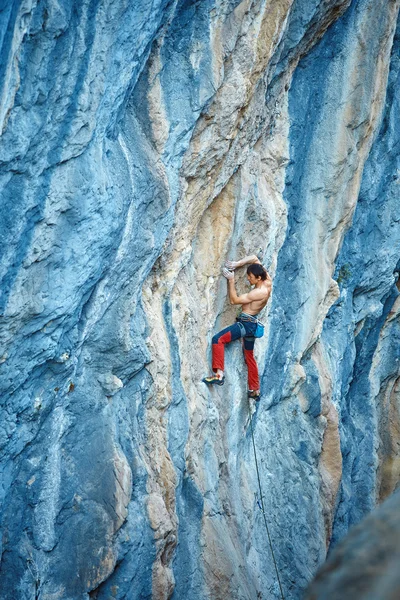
x: 246, y: 323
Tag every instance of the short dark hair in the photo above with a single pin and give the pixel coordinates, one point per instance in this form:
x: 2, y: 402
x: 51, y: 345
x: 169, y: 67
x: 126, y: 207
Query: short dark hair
x: 257, y: 270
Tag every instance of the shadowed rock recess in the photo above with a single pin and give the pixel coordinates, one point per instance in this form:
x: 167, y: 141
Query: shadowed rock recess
x: 143, y: 144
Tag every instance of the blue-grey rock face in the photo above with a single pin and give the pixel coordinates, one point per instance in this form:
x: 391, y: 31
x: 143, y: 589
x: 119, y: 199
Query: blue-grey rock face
x: 143, y: 144
x: 365, y: 563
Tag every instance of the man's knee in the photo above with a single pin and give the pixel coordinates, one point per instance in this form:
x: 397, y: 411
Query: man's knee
x: 222, y: 339
x: 248, y: 344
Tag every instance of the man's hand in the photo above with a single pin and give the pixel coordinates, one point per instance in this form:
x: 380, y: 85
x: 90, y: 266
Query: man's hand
x: 232, y: 265
x: 228, y: 274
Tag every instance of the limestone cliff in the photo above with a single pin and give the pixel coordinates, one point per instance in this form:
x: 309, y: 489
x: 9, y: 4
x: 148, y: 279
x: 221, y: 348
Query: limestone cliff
x: 366, y: 563
x: 143, y: 144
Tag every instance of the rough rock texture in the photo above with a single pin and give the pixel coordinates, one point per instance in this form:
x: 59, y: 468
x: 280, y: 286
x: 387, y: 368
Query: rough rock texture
x: 366, y: 564
x: 142, y: 145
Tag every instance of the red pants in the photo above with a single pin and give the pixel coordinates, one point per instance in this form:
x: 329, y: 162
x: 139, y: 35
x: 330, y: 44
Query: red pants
x: 230, y: 334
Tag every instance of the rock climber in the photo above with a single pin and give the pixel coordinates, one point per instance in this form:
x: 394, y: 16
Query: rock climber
x: 246, y: 322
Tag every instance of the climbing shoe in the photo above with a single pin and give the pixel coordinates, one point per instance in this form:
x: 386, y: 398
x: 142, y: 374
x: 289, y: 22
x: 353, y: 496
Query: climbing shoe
x: 214, y: 380
x: 254, y: 394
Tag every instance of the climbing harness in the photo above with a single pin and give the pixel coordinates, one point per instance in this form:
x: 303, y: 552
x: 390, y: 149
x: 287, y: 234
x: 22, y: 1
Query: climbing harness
x: 259, y: 330
x: 260, y: 503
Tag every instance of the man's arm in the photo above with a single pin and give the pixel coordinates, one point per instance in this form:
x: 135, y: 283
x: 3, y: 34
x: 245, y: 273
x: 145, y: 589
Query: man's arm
x: 243, y: 298
x: 247, y: 260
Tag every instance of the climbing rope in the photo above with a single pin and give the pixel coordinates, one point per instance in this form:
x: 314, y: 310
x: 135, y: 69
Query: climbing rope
x: 262, y: 505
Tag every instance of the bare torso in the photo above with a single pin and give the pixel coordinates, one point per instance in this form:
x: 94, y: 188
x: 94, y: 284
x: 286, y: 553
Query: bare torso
x: 256, y: 305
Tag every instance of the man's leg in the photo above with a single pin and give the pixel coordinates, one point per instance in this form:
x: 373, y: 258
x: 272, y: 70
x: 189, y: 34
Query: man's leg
x: 252, y: 368
x: 229, y: 334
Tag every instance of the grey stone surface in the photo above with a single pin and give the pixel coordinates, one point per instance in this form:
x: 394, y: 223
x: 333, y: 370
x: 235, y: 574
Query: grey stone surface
x: 365, y: 564
x: 142, y: 144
